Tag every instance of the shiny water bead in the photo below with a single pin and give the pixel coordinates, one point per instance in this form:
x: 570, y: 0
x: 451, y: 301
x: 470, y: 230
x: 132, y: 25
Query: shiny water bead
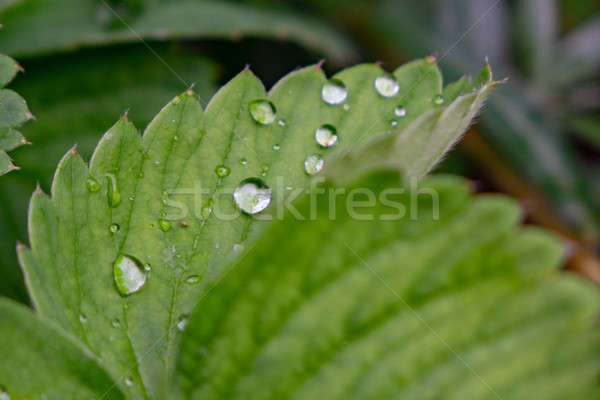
x: 313, y: 164
x: 252, y: 195
x: 164, y: 225
x: 114, y: 228
x: 438, y: 99
x: 92, y: 184
x: 386, y: 86
x: 400, y: 112
x: 326, y: 136
x: 262, y: 111
x: 222, y: 171
x: 334, y: 92
x: 129, y: 274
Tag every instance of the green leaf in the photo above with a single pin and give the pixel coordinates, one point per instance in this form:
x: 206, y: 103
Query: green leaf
x: 424, y: 294
x: 44, y: 26
x: 13, y: 113
x: 74, y: 102
x: 176, y: 213
x: 38, y: 361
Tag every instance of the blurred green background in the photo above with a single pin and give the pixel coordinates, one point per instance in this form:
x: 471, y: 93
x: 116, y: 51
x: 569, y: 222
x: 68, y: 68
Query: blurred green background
x: 88, y: 61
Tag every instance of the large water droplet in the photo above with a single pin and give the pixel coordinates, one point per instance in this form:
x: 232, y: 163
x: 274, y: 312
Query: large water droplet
x: 386, y: 86
x: 129, y: 274
x: 313, y: 164
x: 326, y: 136
x: 400, y: 112
x: 222, y: 171
x: 262, y: 111
x: 92, y: 184
x: 438, y: 99
x: 334, y: 92
x: 113, y: 194
x: 252, y: 195
x: 114, y: 228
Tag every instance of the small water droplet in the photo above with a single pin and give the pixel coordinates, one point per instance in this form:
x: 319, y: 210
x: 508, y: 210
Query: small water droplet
x: 175, y: 138
x: 326, y: 136
x: 116, y: 323
x: 346, y: 107
x: 313, y: 164
x: 243, y: 161
x: 205, y: 212
x: 334, y: 92
x: 165, y: 192
x: 192, y: 279
x: 438, y: 99
x: 82, y: 318
x: 386, y: 86
x: 113, y: 194
x: 262, y: 111
x: 128, y: 381
x: 400, y: 112
x: 252, y: 195
x: 182, y: 322
x: 281, y: 122
x: 164, y: 225
x: 147, y: 267
x: 131, y: 198
x: 222, y: 171
x: 92, y: 184
x: 237, y: 247
x: 114, y: 228
x: 129, y: 274
x: 276, y: 147
x: 394, y: 122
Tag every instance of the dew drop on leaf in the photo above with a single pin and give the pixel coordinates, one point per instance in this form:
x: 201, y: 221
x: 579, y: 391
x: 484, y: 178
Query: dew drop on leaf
x: 243, y: 161
x: 400, y: 112
x: 164, y: 225
x: 386, y: 86
x: 262, y: 111
x: 147, y: 267
x: 438, y: 99
x: 113, y: 194
x: 346, y: 107
x: 313, y: 164
x: 128, y: 381
x: 4, y: 394
x: 394, y: 122
x: 334, y: 92
x: 129, y: 274
x: 276, y: 147
x: 82, y: 319
x: 114, y: 228
x: 222, y: 171
x: 252, y: 195
x: 182, y: 322
x: 116, y: 323
x: 192, y: 279
x: 281, y: 122
x: 92, y: 184
x: 326, y: 136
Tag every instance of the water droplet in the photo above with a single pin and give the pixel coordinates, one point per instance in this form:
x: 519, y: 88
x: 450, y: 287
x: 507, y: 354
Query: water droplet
x: 113, y: 194
x: 175, y: 138
x: 129, y: 274
x: 386, y: 86
x: 243, y: 161
x: 346, y: 107
x: 192, y: 279
x: 116, y: 323
x: 147, y: 267
x: 114, y: 228
x: 281, y: 122
x: 4, y: 394
x: 326, y: 136
x: 237, y: 247
x: 205, y: 212
x: 182, y: 322
x: 165, y: 192
x: 313, y: 164
x: 262, y: 111
x: 252, y: 195
x: 394, y: 122
x: 164, y: 225
x: 334, y: 92
x: 128, y: 381
x: 92, y: 184
x: 131, y: 198
x: 438, y: 99
x: 276, y: 147
x: 400, y: 112
x: 82, y: 319
x: 222, y: 171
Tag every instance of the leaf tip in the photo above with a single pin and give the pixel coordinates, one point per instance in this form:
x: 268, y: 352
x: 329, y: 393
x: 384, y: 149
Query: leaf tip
x: 29, y: 115
x: 319, y: 65
x: 430, y: 59
x: 73, y: 150
x: 20, y: 246
x: 38, y: 189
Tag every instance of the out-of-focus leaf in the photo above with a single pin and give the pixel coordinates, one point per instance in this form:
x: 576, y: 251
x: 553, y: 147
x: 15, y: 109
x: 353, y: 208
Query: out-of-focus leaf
x: 75, y: 98
x: 377, y: 304
x: 587, y: 128
x: 537, y: 32
x: 579, y: 55
x: 45, y: 26
x: 40, y: 362
x: 175, y: 209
